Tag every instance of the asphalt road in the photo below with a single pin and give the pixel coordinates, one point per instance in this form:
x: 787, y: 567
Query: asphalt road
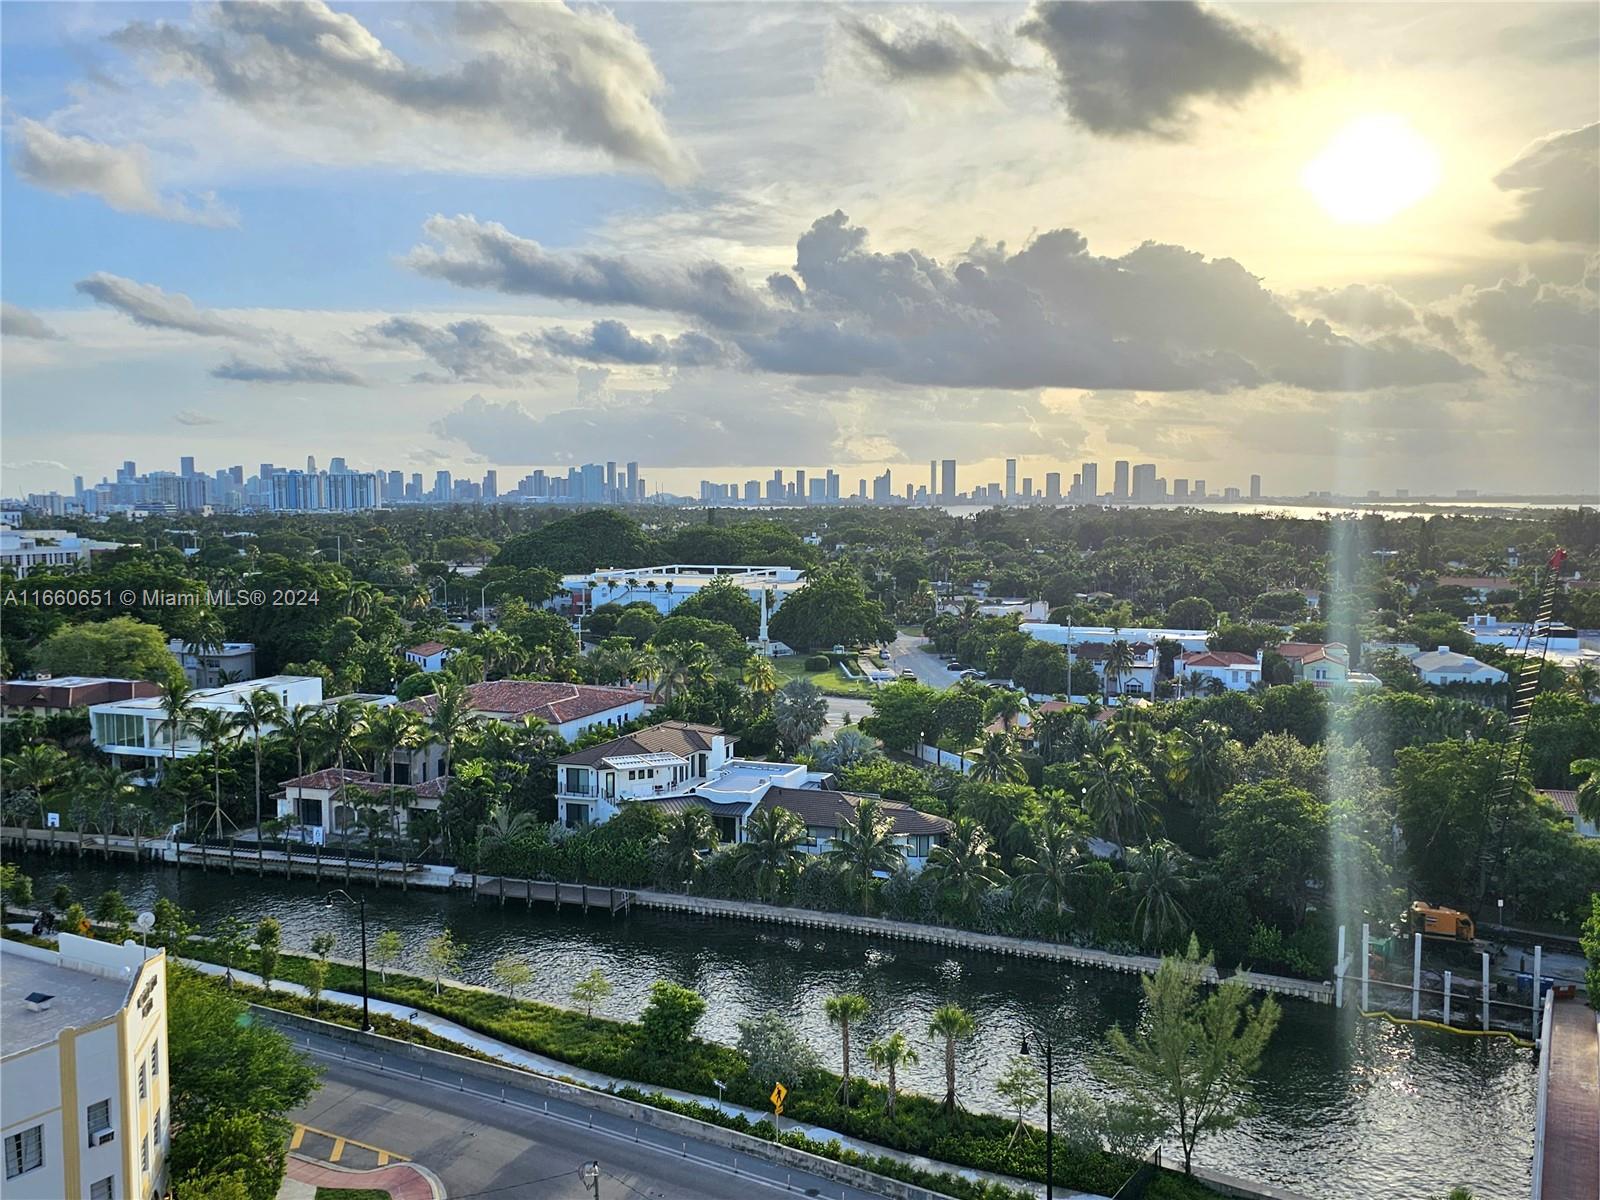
x: 910, y: 651
x: 514, y: 1149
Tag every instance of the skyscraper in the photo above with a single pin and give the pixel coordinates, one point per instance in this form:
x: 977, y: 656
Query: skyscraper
x: 1144, y: 482
x: 1199, y: 492
x: 947, y: 480
x: 336, y: 466
x: 1011, y: 479
x: 1119, y: 483
x: 633, y: 489
x: 1180, y: 489
x: 311, y: 464
x: 611, y: 481
x: 933, y: 478
x: 491, y: 485
x: 1090, y: 491
x: 800, y: 486
x: 441, y: 486
x: 1052, y: 485
x: 1255, y: 487
x: 186, y: 466
x: 882, y: 487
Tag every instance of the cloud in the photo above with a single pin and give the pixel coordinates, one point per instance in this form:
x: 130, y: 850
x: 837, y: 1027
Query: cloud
x: 292, y: 367
x: 513, y: 73
x: 16, y: 321
x: 1132, y: 68
x: 485, y: 254
x: 147, y: 305
x: 35, y: 464
x: 190, y: 416
x: 931, y: 49
x: 1557, y: 186
x: 1361, y: 306
x: 471, y: 350
x: 119, y: 175
x: 1546, y: 327
x: 613, y: 342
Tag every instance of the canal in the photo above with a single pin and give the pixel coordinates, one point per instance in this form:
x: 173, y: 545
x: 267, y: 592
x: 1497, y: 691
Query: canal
x: 1348, y: 1108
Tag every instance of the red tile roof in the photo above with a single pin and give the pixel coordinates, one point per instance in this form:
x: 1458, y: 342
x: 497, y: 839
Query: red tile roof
x: 1218, y: 658
x: 555, y: 703
x: 670, y: 737
x: 1565, y: 799
x: 427, y: 649
x: 331, y: 779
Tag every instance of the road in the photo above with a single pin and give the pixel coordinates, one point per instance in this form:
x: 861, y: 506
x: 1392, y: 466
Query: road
x: 910, y: 650
x: 514, y: 1149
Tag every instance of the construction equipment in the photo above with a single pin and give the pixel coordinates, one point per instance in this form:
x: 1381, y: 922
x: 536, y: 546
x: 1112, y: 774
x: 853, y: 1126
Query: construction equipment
x: 1442, y: 924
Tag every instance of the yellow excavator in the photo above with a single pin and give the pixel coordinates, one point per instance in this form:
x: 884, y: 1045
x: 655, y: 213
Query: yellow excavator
x: 1442, y: 924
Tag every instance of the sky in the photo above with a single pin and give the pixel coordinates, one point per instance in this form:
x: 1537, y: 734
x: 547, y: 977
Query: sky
x: 1344, y: 246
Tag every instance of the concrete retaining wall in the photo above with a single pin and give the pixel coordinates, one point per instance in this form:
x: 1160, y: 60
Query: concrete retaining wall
x: 616, y: 1106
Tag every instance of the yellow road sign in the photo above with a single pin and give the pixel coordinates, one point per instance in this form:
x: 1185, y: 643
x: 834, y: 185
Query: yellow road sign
x: 779, y: 1094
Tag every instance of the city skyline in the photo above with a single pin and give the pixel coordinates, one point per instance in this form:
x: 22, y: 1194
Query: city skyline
x: 1382, y: 269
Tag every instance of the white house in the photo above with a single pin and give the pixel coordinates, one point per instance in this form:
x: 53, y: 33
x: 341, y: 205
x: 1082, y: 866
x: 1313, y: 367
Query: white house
x: 430, y: 656
x: 214, y: 666
x: 669, y: 585
x: 1323, y: 664
x: 1567, y: 801
x: 1192, y: 640
x: 1444, y: 666
x: 84, y: 1096
x: 327, y: 801
x: 136, y: 734
x: 27, y: 550
x: 1138, y: 680
x: 1234, y: 670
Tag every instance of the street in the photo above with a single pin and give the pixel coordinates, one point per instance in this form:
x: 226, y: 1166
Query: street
x: 516, y: 1148
x: 910, y: 651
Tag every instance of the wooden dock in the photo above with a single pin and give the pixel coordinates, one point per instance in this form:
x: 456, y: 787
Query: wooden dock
x: 580, y: 895
x: 960, y: 939
x: 1566, y: 1155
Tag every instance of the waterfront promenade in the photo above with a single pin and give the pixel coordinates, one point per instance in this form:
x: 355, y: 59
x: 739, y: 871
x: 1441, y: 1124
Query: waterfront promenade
x: 1567, y: 1145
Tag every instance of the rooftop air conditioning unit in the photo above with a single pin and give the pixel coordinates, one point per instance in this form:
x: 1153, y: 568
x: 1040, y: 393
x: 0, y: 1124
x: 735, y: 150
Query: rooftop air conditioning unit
x: 102, y: 1136
x: 37, y: 1001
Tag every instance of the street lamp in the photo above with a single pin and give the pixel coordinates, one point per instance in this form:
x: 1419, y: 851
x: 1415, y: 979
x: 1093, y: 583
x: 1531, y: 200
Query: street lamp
x: 1049, y: 1116
x: 361, y: 905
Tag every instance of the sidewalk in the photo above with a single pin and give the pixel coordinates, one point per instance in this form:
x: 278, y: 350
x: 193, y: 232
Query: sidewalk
x: 542, y: 1065
x: 403, y: 1181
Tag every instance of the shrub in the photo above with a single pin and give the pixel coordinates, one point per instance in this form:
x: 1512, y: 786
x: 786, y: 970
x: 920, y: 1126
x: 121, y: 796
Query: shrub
x: 669, y: 1019
x: 818, y: 662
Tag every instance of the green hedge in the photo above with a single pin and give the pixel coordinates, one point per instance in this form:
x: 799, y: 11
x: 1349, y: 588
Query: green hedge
x: 920, y: 1126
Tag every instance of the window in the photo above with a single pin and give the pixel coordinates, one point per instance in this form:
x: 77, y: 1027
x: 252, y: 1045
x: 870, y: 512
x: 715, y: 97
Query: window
x: 144, y: 1154
x: 155, y: 1058
x: 99, y: 1118
x: 100, y: 1189
x: 24, y: 1151
x: 144, y: 1091
x: 155, y: 1129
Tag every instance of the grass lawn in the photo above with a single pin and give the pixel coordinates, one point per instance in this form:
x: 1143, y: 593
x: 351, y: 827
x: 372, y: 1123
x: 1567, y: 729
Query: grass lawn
x: 351, y: 1194
x: 832, y: 681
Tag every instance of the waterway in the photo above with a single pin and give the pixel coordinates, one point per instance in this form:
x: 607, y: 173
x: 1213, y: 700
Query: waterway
x: 1348, y: 1109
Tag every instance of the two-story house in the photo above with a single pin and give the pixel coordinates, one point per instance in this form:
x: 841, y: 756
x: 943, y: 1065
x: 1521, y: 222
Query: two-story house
x: 666, y: 760
x: 1325, y: 664
x: 330, y: 801
x: 1231, y: 669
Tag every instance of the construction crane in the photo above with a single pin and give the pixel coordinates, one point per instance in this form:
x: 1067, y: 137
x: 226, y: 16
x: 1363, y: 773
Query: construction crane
x: 1524, y: 687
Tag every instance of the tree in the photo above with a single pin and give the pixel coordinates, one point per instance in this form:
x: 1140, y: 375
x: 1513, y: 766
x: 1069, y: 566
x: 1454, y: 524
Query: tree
x: 120, y: 648
x: 317, y: 968
x: 258, y: 712
x: 1272, y: 841
x: 865, y: 846
x: 725, y: 601
x: 28, y: 777
x: 450, y: 719
x: 669, y: 1018
x: 1192, y: 612
x: 774, y: 1048
x: 226, y: 1072
x: 386, y: 951
x: 231, y: 941
x: 760, y: 678
x: 998, y: 761
x: 1119, y: 661
x: 216, y: 730
x: 15, y: 887
x: 846, y: 748
x: 889, y: 1055
x: 178, y: 706
x: 1022, y: 1088
x: 831, y: 608
x: 842, y: 1010
x: 965, y: 869
x: 1587, y: 771
x: 800, y: 711
x: 1045, y: 878
x: 1590, y: 941
x: 511, y: 972
x: 443, y: 956
x: 592, y: 989
x: 771, y: 850
x: 951, y: 1024
x: 902, y: 714
x: 690, y: 836
x: 269, y: 942
x: 1191, y: 1058
x: 1156, y: 876
x: 174, y: 926
x: 111, y: 909
x: 1115, y: 790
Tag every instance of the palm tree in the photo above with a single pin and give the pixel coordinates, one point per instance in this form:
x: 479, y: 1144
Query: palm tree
x: 1194, y: 762
x: 1587, y: 770
x: 889, y: 1055
x: 177, y: 703
x: 338, y: 727
x: 760, y: 678
x: 112, y: 789
x: 259, y: 711
x: 299, y: 729
x: 842, y: 1010
x: 390, y: 730
x: 997, y: 761
x: 951, y: 1023
x: 1114, y: 794
x: 1157, y: 875
x: 1585, y: 680
x: 688, y: 838
x: 1008, y: 706
x: 647, y: 667
x: 503, y: 827
x: 864, y: 847
x: 799, y: 710
x: 771, y: 849
x: 451, y: 717
x: 215, y: 729
x: 1119, y: 661
x: 966, y: 867
x: 29, y: 774
x: 1045, y: 877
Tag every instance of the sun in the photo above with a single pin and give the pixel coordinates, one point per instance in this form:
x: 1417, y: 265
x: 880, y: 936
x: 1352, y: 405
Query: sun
x: 1376, y: 167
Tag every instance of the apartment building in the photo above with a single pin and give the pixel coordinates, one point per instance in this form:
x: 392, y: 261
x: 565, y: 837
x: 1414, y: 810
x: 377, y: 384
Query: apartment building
x: 84, y: 1108
x: 26, y: 550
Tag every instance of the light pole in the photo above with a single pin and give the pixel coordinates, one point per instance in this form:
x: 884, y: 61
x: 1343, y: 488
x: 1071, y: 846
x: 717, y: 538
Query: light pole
x: 1049, y: 1116
x: 361, y: 904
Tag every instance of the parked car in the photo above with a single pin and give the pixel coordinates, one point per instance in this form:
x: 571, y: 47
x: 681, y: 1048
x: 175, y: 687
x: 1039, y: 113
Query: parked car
x: 952, y: 665
x: 907, y: 673
x: 974, y: 673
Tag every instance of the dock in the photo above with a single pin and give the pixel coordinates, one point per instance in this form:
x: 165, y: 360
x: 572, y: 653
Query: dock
x: 1566, y: 1148
x: 579, y: 895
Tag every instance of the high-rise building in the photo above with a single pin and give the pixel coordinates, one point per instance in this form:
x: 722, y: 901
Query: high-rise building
x: 933, y: 478
x: 861, y: 489
x: 186, y: 466
x: 1199, y: 492
x: 311, y: 464
x: 1119, y: 483
x: 799, y: 485
x: 1090, y: 490
x: 336, y: 466
x: 441, y: 486
x: 128, y: 473
x: 633, y: 488
x: 1180, y: 489
x: 1230, y: 493
x: 264, y: 472
x: 1255, y: 487
x: 833, y: 484
x: 491, y: 485
x: 947, y: 480
x: 752, y: 491
x: 1027, y: 487
x: 775, y: 487
x: 611, y: 481
x: 1052, y: 485
x: 1144, y: 483
x: 1011, y: 479
x: 397, y: 486
x: 882, y: 488
x: 1075, y: 492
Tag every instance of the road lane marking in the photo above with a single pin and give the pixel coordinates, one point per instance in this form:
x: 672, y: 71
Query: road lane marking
x: 338, y: 1150
x: 340, y: 1143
